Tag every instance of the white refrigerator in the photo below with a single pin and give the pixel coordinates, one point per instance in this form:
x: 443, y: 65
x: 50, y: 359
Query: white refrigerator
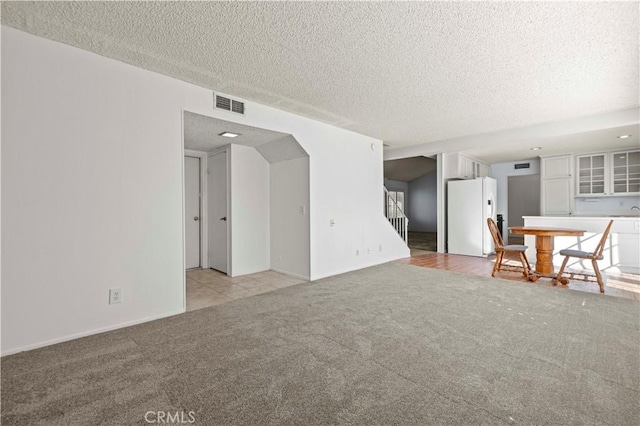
x: 469, y: 204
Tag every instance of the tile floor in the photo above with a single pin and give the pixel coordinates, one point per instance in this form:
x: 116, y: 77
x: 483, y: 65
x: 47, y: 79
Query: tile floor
x: 208, y: 287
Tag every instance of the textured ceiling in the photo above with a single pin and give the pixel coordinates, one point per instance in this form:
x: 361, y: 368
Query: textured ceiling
x: 405, y: 72
x: 202, y: 133
x: 408, y: 169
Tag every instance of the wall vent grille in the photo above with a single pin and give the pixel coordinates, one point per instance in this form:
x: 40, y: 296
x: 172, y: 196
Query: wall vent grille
x: 228, y: 104
x: 237, y: 106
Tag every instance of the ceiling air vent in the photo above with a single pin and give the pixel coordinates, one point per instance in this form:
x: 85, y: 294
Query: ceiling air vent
x: 223, y: 103
x: 237, y: 106
x: 228, y: 104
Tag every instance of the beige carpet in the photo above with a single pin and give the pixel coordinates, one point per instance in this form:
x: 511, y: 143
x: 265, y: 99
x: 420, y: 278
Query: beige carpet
x: 392, y: 344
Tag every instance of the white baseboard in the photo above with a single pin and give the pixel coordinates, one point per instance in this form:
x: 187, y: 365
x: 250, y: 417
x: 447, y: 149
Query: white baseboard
x: 89, y: 333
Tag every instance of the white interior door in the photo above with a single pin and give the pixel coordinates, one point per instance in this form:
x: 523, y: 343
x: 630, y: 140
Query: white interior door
x: 192, y: 211
x: 217, y: 207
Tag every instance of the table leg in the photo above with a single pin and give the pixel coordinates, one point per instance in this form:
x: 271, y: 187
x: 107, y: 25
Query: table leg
x: 544, y: 255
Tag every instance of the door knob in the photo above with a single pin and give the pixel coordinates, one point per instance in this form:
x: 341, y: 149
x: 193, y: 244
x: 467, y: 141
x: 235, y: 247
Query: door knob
x: 223, y: 218
x: 196, y: 218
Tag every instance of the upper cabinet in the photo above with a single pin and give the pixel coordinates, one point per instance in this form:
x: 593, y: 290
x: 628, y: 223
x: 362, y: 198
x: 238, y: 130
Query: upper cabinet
x: 592, y: 175
x: 460, y: 167
x: 625, y: 172
x: 556, y: 185
x: 556, y: 167
x: 483, y: 170
x: 608, y: 173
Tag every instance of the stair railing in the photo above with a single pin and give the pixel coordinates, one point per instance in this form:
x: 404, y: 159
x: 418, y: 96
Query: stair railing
x: 393, y: 212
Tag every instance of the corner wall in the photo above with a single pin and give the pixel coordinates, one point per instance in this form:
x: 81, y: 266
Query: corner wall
x: 290, y: 217
x: 249, y: 176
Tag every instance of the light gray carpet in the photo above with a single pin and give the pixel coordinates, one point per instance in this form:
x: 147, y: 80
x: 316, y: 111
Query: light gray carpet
x: 393, y: 344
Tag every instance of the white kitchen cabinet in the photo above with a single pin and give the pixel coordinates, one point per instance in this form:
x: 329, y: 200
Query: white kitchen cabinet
x: 608, y: 173
x: 592, y: 175
x: 466, y: 168
x: 461, y: 167
x: 625, y: 173
x: 556, y: 185
x: 484, y: 170
x: 559, y: 166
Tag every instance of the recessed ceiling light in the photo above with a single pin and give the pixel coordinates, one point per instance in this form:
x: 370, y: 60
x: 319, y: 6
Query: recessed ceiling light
x: 624, y: 136
x: 536, y: 148
x: 229, y: 134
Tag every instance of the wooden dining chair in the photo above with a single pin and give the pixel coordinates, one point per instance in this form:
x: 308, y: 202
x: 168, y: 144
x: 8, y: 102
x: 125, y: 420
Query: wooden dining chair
x: 592, y: 256
x: 501, y: 249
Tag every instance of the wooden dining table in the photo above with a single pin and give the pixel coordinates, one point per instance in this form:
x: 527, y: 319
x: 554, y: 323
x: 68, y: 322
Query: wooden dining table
x: 544, y: 244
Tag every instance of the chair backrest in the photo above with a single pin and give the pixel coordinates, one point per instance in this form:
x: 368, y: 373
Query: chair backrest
x: 600, y: 247
x: 497, y: 238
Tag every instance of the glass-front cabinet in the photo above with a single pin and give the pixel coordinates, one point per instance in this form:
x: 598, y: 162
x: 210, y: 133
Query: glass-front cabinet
x: 592, y: 174
x: 608, y: 173
x: 625, y: 172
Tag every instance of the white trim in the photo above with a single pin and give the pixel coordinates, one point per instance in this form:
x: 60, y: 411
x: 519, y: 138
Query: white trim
x: 291, y: 274
x: 204, y: 243
x: 441, y: 203
x: 91, y: 332
x: 229, y: 217
x: 184, y: 232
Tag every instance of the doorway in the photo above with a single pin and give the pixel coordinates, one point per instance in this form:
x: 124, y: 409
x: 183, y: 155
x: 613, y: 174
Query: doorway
x: 192, y: 209
x: 523, y: 199
x: 411, y: 183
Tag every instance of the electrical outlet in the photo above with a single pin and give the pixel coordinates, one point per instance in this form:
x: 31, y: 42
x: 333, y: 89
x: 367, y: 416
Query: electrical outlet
x: 357, y: 252
x: 115, y: 296
x: 368, y: 251
x: 380, y: 247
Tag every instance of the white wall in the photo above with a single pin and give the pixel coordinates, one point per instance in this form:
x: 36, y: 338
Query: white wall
x: 423, y: 209
x: 500, y: 172
x: 92, y: 191
x: 249, y: 211
x: 349, y: 193
x: 289, y: 199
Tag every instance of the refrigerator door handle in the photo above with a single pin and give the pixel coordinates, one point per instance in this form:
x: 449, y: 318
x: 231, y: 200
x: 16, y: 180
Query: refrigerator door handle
x: 491, y: 203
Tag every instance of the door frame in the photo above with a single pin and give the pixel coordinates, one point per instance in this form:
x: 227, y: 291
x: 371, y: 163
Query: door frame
x: 227, y: 152
x: 204, y: 244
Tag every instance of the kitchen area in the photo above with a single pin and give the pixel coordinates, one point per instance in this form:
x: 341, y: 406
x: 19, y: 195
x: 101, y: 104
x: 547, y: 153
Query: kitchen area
x: 581, y: 191
x: 586, y: 191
